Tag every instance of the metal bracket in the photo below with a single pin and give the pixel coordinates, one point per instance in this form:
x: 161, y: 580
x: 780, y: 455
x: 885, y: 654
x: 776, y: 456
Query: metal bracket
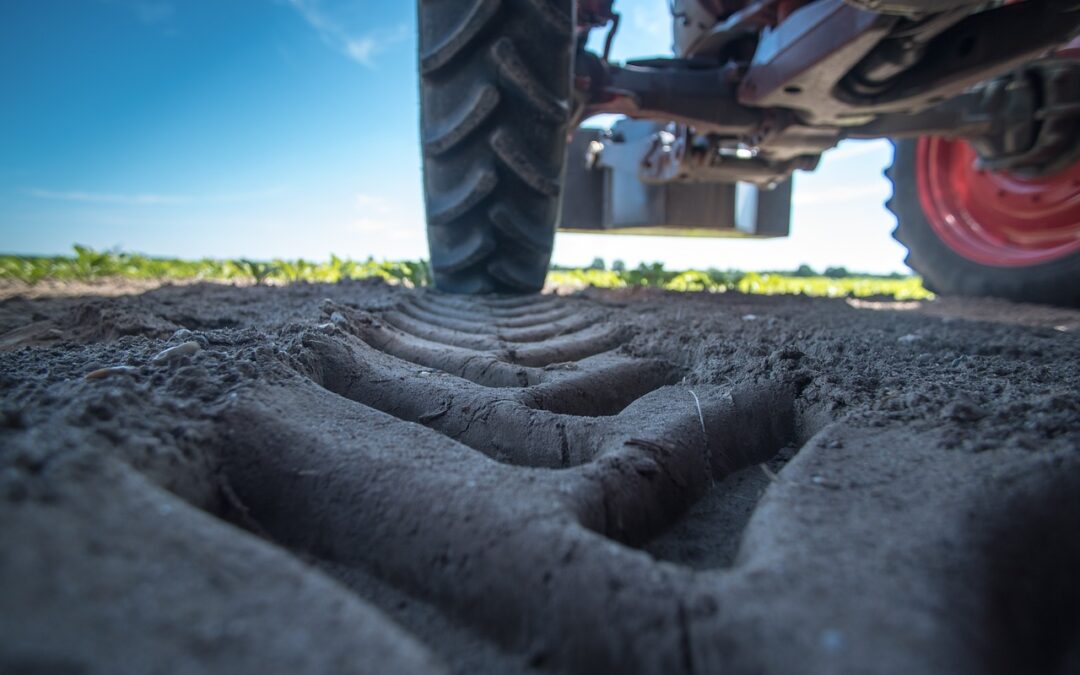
x: 609, y: 188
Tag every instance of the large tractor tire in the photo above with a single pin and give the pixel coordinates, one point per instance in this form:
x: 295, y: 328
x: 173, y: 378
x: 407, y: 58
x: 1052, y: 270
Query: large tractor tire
x: 495, y: 85
x: 982, y: 233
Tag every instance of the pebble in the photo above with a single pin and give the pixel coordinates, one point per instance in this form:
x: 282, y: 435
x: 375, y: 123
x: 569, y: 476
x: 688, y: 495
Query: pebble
x: 185, y: 349
x: 908, y: 339
x: 824, y: 482
x: 101, y: 373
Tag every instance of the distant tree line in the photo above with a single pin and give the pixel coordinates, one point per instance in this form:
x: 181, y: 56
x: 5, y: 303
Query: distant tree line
x: 657, y: 269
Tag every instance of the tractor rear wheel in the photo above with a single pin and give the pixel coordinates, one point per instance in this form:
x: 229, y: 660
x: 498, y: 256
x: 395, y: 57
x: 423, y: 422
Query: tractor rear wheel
x: 975, y: 232
x: 495, y: 85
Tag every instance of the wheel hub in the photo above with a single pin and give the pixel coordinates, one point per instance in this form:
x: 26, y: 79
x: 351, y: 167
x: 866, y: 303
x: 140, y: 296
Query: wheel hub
x: 997, y: 218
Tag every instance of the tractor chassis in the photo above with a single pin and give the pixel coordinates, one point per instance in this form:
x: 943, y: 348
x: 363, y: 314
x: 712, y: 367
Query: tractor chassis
x: 831, y: 71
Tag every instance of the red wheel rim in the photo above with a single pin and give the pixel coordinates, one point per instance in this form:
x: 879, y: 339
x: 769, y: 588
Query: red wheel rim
x: 997, y: 218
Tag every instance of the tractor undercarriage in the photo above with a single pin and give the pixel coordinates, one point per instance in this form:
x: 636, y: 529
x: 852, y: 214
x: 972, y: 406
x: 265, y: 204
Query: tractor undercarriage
x: 770, y: 85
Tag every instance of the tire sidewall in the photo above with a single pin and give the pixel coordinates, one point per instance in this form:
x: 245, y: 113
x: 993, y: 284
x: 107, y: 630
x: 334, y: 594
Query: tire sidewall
x: 946, y: 271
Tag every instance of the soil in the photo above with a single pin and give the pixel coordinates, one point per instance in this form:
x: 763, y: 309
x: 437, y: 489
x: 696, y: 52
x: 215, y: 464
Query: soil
x: 359, y: 478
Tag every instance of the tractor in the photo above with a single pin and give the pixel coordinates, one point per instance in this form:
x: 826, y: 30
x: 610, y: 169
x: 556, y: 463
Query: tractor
x: 980, y: 99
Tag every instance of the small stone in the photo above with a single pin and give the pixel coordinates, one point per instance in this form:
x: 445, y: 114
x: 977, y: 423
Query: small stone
x: 908, y: 339
x: 185, y: 349
x: 824, y: 482
x: 185, y: 335
x: 102, y: 373
x: 749, y: 317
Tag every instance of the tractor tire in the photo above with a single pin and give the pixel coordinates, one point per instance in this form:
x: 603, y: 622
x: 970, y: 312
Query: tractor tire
x: 495, y: 86
x: 974, y: 233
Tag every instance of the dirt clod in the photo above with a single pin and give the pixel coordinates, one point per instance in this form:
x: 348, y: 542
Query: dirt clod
x: 183, y: 349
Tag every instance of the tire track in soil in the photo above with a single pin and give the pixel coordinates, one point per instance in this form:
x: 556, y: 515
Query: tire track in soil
x: 527, y: 484
x: 605, y: 447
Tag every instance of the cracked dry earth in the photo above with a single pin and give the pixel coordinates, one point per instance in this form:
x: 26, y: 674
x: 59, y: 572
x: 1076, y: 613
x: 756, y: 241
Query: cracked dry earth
x: 365, y: 479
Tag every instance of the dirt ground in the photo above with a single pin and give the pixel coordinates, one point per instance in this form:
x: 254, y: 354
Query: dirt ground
x: 361, y: 478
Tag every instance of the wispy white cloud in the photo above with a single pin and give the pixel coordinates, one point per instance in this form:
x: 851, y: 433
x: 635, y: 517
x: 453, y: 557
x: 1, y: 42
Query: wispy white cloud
x: 380, y: 217
x: 338, y: 34
x: 144, y: 199
x: 387, y: 230
x: 373, y: 203
x: 148, y: 198
x: 370, y: 226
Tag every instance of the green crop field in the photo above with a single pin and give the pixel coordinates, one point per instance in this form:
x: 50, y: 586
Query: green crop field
x: 87, y: 265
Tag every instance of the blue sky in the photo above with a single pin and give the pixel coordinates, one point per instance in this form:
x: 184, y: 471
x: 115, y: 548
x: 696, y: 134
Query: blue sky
x: 288, y: 128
